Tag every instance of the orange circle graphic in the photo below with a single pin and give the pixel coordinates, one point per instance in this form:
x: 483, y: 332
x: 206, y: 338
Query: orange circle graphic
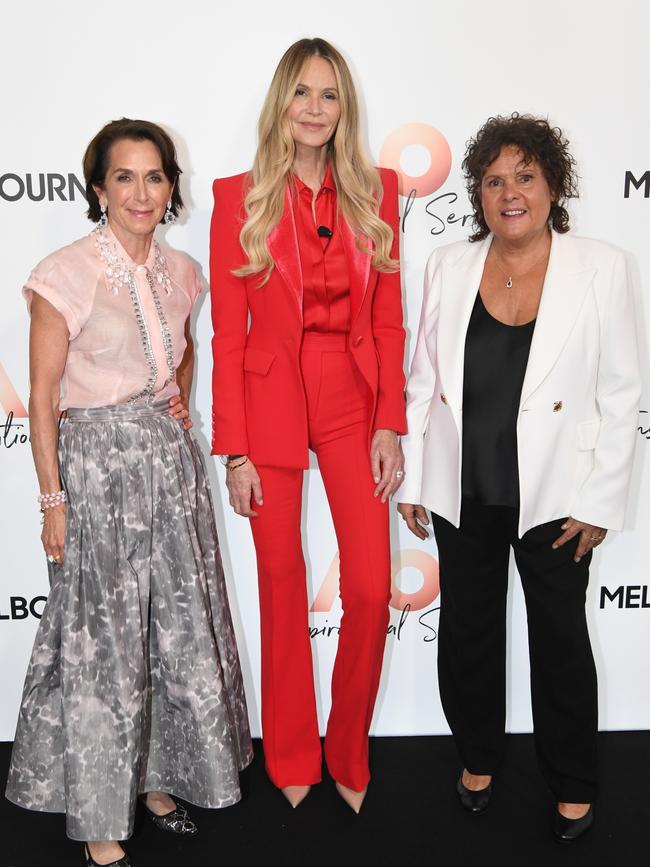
x: 427, y: 566
x: 439, y: 151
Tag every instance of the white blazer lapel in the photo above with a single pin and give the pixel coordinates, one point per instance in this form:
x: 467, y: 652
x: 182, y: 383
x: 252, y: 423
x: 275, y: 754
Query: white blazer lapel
x: 459, y: 286
x: 565, y: 287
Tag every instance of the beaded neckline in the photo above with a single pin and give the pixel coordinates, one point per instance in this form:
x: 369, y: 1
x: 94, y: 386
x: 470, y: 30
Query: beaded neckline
x: 120, y: 274
x: 120, y: 270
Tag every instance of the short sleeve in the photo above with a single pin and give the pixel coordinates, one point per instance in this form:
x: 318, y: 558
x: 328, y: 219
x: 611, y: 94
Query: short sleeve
x: 197, y: 285
x: 184, y: 273
x: 57, y: 284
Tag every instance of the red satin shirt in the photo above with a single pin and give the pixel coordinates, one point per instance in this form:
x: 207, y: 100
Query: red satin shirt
x: 326, y: 284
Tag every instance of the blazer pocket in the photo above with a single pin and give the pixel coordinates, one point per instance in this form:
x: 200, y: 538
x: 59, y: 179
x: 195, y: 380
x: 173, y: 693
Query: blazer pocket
x: 258, y: 361
x: 588, y: 434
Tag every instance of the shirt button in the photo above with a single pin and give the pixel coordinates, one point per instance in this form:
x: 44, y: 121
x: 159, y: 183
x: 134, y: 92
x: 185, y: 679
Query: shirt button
x: 140, y: 268
x: 358, y: 340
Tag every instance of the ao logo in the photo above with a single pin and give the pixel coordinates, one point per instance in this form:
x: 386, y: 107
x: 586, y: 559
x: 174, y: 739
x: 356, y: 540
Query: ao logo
x: 408, y: 558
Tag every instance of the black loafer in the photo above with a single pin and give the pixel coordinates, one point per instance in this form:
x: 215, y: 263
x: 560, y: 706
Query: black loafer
x: 473, y: 801
x: 125, y: 861
x: 568, y: 830
x: 175, y: 822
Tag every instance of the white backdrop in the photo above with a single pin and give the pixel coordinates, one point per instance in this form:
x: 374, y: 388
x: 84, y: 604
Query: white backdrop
x: 202, y: 70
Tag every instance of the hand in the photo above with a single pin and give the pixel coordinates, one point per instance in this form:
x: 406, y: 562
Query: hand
x: 387, y: 463
x: 53, y: 533
x: 178, y: 410
x: 414, y: 516
x: 245, y: 488
x: 590, y: 536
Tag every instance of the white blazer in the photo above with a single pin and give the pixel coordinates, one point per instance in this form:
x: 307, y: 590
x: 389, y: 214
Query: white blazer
x: 578, y: 411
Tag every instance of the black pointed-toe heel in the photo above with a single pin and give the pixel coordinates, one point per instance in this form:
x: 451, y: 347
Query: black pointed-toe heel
x: 175, y: 822
x: 125, y: 861
x: 473, y: 801
x: 568, y: 830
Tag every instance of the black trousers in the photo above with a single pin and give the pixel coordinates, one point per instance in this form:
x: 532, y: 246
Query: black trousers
x: 472, y: 645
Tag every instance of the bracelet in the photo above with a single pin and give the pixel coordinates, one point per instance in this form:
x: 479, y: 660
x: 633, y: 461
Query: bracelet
x: 232, y: 466
x: 227, y: 458
x: 49, y: 501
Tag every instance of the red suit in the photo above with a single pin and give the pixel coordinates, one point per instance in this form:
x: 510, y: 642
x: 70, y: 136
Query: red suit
x: 319, y: 367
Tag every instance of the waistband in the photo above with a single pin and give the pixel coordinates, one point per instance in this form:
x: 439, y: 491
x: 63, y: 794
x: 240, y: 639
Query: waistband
x: 325, y: 341
x: 120, y: 412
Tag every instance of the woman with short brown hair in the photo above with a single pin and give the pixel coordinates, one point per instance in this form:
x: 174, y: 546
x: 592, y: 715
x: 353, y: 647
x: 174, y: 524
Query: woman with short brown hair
x: 134, y: 686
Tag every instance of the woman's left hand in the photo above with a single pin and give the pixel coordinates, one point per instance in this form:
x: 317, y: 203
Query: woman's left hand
x: 387, y: 462
x: 590, y: 536
x: 179, y: 411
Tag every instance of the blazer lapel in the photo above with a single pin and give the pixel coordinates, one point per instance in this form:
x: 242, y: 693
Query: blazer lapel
x: 459, y: 286
x: 283, y: 247
x: 358, y: 267
x: 565, y: 287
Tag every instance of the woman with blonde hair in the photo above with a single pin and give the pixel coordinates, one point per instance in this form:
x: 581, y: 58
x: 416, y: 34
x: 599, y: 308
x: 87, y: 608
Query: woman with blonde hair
x: 306, y: 246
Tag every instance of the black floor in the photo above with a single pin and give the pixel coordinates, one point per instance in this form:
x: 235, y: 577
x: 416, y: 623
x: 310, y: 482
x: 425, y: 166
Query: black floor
x: 410, y: 817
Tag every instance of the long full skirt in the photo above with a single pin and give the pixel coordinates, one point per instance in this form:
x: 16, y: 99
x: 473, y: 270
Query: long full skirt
x: 134, y: 683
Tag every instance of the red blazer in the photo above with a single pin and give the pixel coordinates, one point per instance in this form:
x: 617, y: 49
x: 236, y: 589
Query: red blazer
x: 258, y: 398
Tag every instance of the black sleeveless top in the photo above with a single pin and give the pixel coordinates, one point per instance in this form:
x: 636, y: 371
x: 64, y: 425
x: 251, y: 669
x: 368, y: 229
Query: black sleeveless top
x: 496, y: 356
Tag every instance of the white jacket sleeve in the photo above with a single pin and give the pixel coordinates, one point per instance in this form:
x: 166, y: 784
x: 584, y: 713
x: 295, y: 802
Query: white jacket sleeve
x: 602, y: 498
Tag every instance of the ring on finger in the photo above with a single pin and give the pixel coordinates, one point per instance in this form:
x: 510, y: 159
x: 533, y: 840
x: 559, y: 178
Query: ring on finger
x: 399, y: 474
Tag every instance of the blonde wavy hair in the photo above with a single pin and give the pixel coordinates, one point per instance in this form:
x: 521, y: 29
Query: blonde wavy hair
x: 358, y: 184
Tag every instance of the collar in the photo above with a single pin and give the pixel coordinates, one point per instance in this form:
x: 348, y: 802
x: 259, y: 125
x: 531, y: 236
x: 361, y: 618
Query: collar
x: 328, y: 182
x: 119, y: 268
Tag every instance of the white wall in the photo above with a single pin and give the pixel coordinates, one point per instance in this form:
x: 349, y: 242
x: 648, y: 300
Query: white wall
x: 201, y: 70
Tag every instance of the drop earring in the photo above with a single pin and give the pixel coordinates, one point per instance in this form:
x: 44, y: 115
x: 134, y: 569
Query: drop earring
x: 103, y: 220
x: 169, y: 217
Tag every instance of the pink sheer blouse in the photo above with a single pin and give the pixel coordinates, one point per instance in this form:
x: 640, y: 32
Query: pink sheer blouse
x: 126, y: 321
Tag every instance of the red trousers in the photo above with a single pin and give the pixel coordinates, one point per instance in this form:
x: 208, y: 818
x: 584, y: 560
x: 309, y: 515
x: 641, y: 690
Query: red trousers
x: 338, y: 409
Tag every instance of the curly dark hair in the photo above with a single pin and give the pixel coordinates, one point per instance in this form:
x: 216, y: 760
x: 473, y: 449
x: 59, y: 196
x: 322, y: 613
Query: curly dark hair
x: 96, y: 158
x: 537, y: 140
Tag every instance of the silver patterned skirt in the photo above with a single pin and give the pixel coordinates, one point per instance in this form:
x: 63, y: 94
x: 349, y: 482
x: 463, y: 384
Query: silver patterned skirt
x: 134, y: 682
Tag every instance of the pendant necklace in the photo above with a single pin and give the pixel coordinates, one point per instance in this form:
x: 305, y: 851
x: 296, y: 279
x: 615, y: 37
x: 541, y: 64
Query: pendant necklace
x: 508, y: 277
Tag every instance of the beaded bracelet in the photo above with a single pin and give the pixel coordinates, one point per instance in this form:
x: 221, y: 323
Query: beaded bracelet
x: 48, y: 501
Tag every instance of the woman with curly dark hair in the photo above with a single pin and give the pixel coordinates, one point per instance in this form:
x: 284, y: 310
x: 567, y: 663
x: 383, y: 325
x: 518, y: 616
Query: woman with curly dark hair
x: 522, y: 406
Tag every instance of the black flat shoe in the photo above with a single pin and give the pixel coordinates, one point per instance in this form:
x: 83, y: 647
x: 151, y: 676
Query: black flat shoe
x: 568, y: 830
x: 125, y: 861
x: 176, y: 822
x: 473, y: 801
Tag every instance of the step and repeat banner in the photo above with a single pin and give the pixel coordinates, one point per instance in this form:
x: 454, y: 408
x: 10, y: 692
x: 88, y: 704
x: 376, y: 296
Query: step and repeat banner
x: 428, y: 74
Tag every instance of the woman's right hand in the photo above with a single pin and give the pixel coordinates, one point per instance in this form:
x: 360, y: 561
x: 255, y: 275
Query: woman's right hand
x: 244, y: 487
x: 415, y: 517
x: 53, y: 533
